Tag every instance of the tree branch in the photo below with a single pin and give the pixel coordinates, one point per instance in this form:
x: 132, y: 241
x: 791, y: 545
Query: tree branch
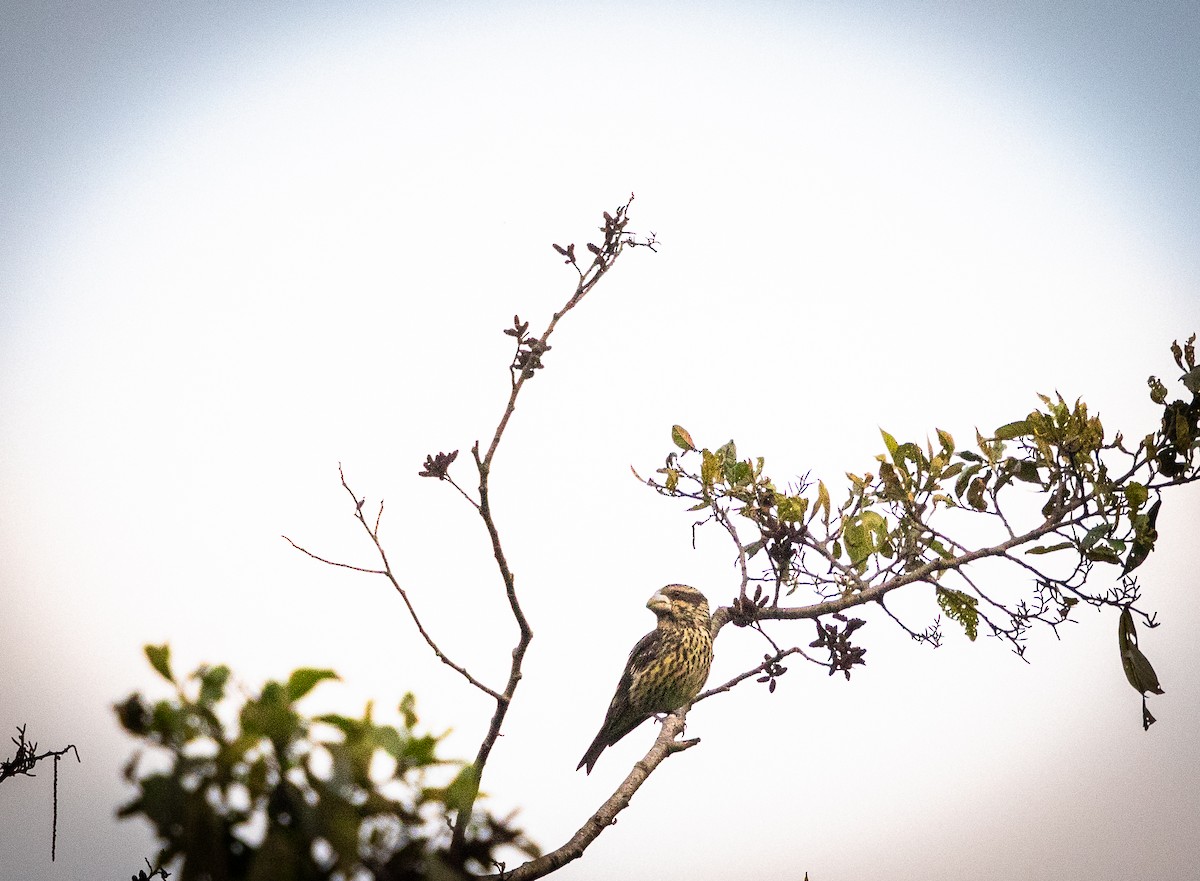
x: 526, y: 362
x: 769, y: 662
x: 664, y: 746
x: 373, y: 533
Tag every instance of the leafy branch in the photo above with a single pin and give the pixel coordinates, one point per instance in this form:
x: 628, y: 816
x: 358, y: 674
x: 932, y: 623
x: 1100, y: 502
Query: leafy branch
x: 280, y: 794
x: 909, y: 522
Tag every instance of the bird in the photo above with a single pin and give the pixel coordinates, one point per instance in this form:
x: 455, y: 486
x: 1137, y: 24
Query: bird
x: 665, y: 670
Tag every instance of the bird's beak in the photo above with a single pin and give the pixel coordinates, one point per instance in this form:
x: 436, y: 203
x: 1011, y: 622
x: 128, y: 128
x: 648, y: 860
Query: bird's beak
x: 658, y: 603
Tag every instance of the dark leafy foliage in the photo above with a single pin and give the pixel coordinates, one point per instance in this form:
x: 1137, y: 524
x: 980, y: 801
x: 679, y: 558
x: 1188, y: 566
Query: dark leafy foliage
x: 282, y: 795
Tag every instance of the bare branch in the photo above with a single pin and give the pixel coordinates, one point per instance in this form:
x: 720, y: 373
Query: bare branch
x: 23, y: 762
x: 722, y: 517
x: 26, y: 757
x: 765, y: 665
x: 321, y: 559
x: 373, y: 533
x: 525, y: 364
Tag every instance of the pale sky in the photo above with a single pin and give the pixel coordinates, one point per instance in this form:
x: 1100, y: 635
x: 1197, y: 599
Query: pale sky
x: 244, y: 242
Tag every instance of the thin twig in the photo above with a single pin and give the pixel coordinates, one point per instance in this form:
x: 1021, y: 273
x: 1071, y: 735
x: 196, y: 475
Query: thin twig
x: 321, y: 559
x: 387, y: 572
x: 722, y: 517
x: 23, y: 762
x: 761, y: 668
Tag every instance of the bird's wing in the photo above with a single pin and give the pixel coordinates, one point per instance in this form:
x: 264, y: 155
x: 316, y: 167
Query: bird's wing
x: 619, y: 710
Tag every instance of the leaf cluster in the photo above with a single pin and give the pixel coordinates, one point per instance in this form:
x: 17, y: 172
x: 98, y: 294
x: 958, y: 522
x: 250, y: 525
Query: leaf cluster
x: 915, y: 516
x: 279, y: 794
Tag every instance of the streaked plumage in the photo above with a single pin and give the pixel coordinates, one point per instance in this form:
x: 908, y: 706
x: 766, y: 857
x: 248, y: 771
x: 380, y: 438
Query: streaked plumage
x: 665, y: 670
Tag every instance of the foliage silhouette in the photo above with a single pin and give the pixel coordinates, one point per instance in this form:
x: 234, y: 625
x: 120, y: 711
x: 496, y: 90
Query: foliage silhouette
x: 282, y: 795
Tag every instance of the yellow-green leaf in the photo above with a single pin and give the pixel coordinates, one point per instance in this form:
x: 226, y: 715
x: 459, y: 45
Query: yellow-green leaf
x: 1136, y: 495
x: 822, y: 500
x: 303, y: 680
x: 792, y: 508
x: 682, y: 439
x: 947, y: 441
x: 960, y: 607
x: 461, y: 792
x: 1050, y: 549
x: 159, y: 657
x: 672, y: 479
x: 1013, y: 430
x: 889, y: 442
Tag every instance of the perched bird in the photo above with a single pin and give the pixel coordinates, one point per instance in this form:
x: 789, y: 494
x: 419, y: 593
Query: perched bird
x: 665, y: 670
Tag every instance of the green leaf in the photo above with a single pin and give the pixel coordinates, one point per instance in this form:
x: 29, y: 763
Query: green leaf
x: 270, y: 716
x: 1027, y: 471
x: 890, y: 443
x: 858, y: 544
x: 1103, y: 554
x: 1138, y: 669
x: 822, y: 500
x: 420, y: 752
x: 727, y: 452
x: 1158, y: 391
x: 874, y: 522
x: 408, y: 709
x: 1050, y: 549
x: 302, y: 681
x: 1013, y: 430
x: 738, y: 473
x: 212, y: 684
x: 960, y: 485
x: 169, y: 721
x: 672, y: 480
x: 975, y: 494
x: 682, y: 439
x: 1136, y: 495
x: 947, y: 441
x: 710, y: 469
x: 864, y: 535
x: 1191, y: 380
x: 892, y: 489
x: 941, y: 550
x: 910, y: 451
x: 960, y: 607
x: 1094, y: 535
x: 346, y: 725
x: 461, y: 792
x: 160, y: 659
x: 792, y: 508
x: 391, y: 741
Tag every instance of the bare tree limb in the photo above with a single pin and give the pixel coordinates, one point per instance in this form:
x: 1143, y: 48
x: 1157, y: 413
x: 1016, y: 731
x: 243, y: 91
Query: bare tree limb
x: 321, y: 559
x: 526, y: 362
x: 23, y: 762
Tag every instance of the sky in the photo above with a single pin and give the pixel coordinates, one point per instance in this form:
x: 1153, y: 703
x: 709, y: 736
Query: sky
x: 241, y: 243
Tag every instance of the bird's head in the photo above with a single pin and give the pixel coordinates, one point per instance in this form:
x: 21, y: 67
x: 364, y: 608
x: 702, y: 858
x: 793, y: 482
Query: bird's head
x: 678, y: 602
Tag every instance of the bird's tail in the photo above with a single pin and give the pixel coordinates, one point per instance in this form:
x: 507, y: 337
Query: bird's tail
x: 593, y: 752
